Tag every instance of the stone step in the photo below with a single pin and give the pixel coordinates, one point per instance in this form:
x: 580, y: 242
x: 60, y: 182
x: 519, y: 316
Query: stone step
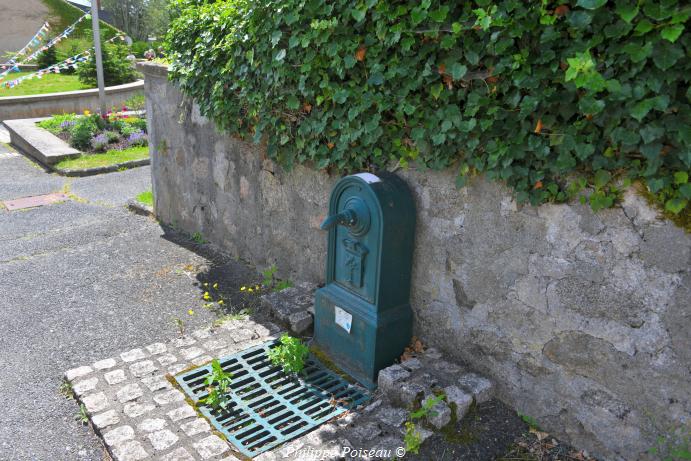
x: 40, y: 144
x: 293, y: 307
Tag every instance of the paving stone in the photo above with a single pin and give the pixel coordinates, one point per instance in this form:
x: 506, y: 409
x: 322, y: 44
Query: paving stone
x: 179, y: 454
x: 215, y: 344
x: 84, y: 386
x: 266, y: 330
x: 115, y: 377
x: 201, y: 334
x: 156, y: 348
x: 195, y: 427
x: 143, y: 368
x: 105, y: 364
x: 129, y: 392
x: 243, y: 334
x: 392, y: 416
x: 390, y: 377
x: 95, y: 402
x: 480, y: 388
x: 439, y: 415
x: 118, y: 435
x: 77, y: 372
x: 461, y: 399
x: 105, y: 419
x: 181, y: 413
x: 192, y: 352
x: 210, y: 446
x: 130, y: 450
x: 152, y: 425
x: 407, y: 394
x: 177, y: 368
x: 166, y: 397
x: 162, y: 439
x: 368, y: 431
x: 412, y: 364
x: 134, y: 410
x: 300, y: 322
x: 184, y: 341
x: 156, y: 383
x: 447, y: 368
x: 133, y: 355
x: 202, y: 360
x: 167, y: 359
x: 433, y: 354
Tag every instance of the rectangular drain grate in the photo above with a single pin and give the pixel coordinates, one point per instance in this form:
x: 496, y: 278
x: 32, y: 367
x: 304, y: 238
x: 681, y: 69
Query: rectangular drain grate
x: 268, y: 406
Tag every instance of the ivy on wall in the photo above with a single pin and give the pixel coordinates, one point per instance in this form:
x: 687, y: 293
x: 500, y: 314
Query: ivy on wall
x: 551, y: 98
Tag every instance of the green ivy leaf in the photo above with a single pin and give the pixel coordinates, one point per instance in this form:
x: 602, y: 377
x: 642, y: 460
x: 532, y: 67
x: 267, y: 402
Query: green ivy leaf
x: 599, y: 200
x: 458, y: 70
x: 676, y: 205
x: 601, y: 178
x: 681, y: 177
x: 280, y: 55
x: 591, y: 4
x: 643, y: 27
x: 436, y: 90
x: 665, y: 55
x: 358, y: 15
x: 292, y: 102
x: 672, y: 33
x: 641, y: 109
x: 626, y: 10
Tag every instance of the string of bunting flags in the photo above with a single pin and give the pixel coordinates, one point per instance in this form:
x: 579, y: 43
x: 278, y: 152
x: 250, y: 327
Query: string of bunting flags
x: 36, y: 40
x: 14, y: 65
x: 72, y: 62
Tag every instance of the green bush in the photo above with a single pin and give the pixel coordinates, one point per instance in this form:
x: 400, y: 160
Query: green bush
x: 82, y: 132
x: 116, y: 68
x: 550, y: 98
x: 136, y: 122
x: 58, y: 123
x: 47, y: 58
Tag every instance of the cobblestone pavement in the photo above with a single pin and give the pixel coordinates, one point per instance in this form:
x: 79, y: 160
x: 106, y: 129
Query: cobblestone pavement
x: 79, y: 281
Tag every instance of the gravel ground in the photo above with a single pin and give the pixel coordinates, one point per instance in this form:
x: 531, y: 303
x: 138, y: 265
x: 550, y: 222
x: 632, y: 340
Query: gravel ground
x: 79, y: 281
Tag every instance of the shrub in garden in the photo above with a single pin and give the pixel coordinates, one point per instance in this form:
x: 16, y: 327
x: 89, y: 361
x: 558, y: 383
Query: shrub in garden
x: 82, y: 132
x: 47, y: 58
x: 136, y: 122
x: 548, y: 97
x: 116, y: 68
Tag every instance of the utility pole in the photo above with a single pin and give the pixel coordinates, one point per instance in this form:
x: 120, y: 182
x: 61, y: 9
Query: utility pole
x: 95, y: 4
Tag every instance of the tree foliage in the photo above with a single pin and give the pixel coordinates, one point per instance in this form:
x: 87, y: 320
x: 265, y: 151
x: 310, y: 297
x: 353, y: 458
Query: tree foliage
x: 117, y: 69
x: 550, y: 98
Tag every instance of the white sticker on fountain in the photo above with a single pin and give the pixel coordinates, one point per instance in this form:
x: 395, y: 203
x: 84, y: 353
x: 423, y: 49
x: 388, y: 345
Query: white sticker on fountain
x: 369, y: 178
x: 343, y: 319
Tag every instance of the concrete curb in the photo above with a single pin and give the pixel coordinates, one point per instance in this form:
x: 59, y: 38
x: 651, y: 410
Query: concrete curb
x: 102, y: 169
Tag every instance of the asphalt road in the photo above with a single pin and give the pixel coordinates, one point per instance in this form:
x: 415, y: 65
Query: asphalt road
x: 80, y: 281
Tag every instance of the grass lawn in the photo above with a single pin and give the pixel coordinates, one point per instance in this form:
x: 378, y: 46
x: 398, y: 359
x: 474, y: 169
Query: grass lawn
x: 147, y: 198
x: 49, y: 83
x: 111, y: 157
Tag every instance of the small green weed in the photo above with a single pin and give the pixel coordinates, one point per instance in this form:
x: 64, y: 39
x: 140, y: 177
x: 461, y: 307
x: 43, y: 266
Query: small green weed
x: 198, y: 238
x: 66, y: 390
x: 290, y: 354
x: 241, y: 315
x: 530, y: 421
x: 412, y: 438
x: 272, y: 282
x: 82, y: 416
x: 180, y: 324
x: 217, y: 386
x: 675, y: 446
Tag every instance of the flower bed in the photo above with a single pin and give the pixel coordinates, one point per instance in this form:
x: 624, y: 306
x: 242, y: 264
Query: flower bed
x: 93, y: 134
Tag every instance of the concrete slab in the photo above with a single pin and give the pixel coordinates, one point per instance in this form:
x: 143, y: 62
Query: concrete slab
x: 42, y: 145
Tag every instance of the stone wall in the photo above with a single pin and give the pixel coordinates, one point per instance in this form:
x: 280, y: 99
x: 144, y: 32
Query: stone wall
x: 582, y: 319
x: 44, y: 105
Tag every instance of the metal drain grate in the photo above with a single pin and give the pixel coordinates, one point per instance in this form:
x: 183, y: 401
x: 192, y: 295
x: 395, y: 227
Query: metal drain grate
x: 270, y: 407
